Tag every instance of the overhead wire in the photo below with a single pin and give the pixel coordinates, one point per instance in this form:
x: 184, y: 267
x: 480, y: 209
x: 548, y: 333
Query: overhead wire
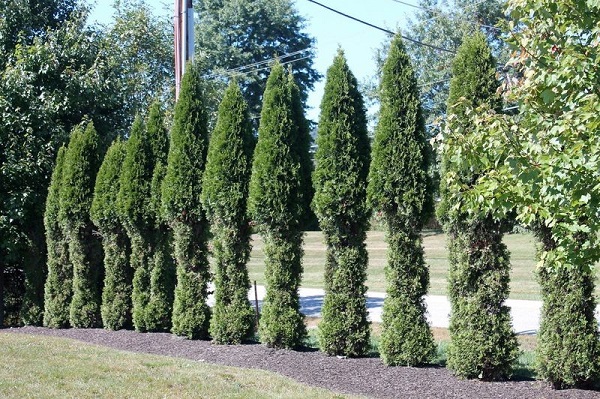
x: 259, y: 65
x: 389, y: 32
x: 442, y: 14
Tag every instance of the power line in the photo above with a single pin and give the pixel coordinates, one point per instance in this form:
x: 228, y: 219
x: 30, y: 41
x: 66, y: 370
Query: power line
x: 468, y: 6
x: 258, y: 63
x: 441, y: 13
x: 237, y: 71
x: 389, y: 32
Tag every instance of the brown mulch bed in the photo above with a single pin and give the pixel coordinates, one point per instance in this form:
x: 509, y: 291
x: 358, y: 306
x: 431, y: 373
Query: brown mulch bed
x: 365, y: 376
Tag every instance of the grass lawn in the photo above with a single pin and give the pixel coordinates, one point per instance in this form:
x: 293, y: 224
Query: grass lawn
x: 521, y: 246
x: 48, y: 367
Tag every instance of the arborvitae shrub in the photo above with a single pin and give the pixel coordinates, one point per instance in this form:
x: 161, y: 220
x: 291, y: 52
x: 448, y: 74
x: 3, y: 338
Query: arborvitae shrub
x: 116, y: 309
x: 133, y: 202
x: 225, y: 196
x: 400, y: 189
x: 302, y: 146
x: 483, y: 344
x: 181, y: 206
x: 568, y: 349
x: 162, y: 275
x: 82, y: 161
x: 59, y: 283
x: 340, y: 181
x: 277, y: 204
x: 162, y: 270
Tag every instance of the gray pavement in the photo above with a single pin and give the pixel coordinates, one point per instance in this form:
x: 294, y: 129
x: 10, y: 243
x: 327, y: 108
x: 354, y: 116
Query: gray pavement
x: 525, y: 314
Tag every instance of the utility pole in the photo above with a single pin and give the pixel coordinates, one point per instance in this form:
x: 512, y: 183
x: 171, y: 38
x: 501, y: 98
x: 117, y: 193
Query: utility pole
x: 184, y: 39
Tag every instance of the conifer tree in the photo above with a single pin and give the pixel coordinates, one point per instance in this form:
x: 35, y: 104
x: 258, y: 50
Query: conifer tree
x: 133, y: 203
x: 82, y: 161
x: 399, y: 188
x: 59, y: 283
x: 340, y: 202
x: 225, y: 196
x: 302, y: 146
x: 162, y: 272
x: 568, y: 349
x: 483, y: 344
x: 277, y: 204
x: 116, y: 309
x: 181, y: 205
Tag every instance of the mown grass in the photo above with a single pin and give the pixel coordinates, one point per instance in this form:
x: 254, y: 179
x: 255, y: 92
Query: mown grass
x: 49, y: 367
x: 521, y: 246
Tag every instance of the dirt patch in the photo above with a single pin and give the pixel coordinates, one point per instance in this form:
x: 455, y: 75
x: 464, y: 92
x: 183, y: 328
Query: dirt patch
x: 364, y: 376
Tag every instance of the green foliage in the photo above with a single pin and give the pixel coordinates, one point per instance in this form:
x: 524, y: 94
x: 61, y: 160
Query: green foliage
x: 235, y: 33
x: 302, y: 147
x: 340, y: 181
x: 162, y: 283
x: 277, y: 204
x: 400, y: 189
x: 116, y: 295
x: 568, y: 348
x: 224, y: 196
x: 483, y: 344
x: 543, y: 167
x: 182, y: 209
x: 81, y: 164
x: 444, y: 24
x: 54, y: 72
x: 140, y: 46
x: 162, y: 270
x: 136, y: 179
x: 157, y: 136
x: 134, y: 206
x: 59, y: 283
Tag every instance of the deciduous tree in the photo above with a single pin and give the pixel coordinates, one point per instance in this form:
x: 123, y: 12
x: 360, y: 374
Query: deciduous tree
x: 543, y: 166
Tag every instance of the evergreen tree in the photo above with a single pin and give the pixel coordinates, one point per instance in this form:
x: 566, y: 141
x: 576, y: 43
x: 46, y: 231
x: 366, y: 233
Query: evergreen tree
x: 133, y: 202
x: 59, y: 283
x: 82, y: 161
x: 225, y: 196
x: 302, y: 147
x: 181, y: 205
x: 277, y: 203
x: 483, y: 344
x: 263, y: 29
x: 116, y: 309
x: 162, y: 274
x: 340, y: 202
x: 568, y: 350
x: 399, y: 188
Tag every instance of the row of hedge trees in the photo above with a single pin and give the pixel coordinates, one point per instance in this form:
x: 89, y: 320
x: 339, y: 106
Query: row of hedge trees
x: 154, y: 205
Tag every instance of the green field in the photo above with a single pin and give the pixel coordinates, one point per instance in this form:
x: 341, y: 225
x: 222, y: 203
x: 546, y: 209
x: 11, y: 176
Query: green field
x: 521, y: 246
x: 48, y: 367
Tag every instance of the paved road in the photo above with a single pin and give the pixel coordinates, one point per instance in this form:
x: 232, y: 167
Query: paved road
x: 525, y: 314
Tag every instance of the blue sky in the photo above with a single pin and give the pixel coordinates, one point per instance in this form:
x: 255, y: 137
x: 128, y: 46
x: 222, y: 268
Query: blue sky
x: 331, y: 30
